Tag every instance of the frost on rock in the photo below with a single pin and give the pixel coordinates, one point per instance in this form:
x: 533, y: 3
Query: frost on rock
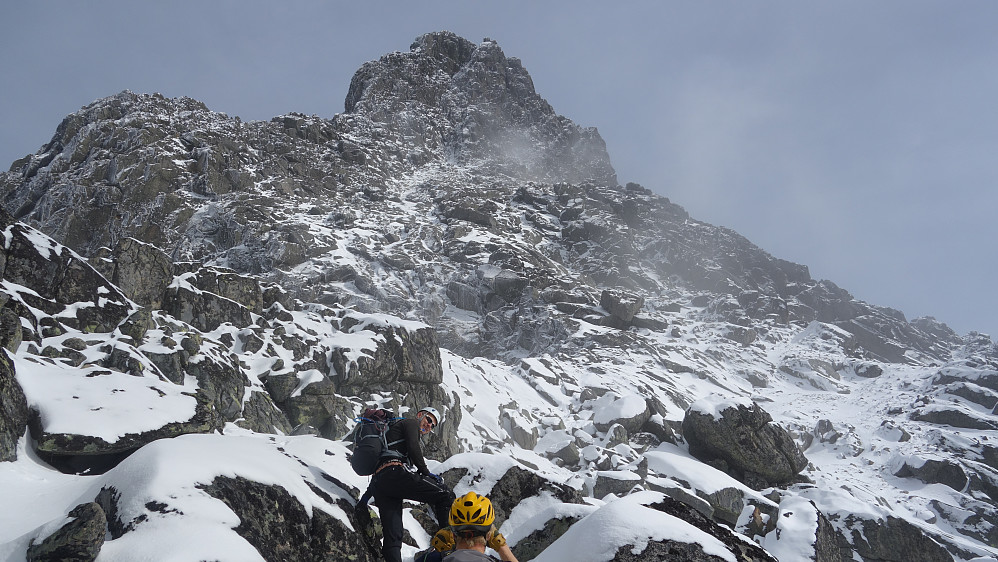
x: 196, y: 308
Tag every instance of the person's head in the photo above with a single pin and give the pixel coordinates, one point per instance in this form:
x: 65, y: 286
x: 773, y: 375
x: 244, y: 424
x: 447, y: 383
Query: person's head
x: 471, y: 518
x: 429, y: 418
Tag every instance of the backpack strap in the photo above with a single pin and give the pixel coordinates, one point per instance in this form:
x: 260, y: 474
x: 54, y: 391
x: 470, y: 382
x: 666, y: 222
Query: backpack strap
x: 387, y: 450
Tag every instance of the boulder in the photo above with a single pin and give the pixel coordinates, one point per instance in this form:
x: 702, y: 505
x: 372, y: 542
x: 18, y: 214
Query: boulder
x: 508, y: 285
x: 530, y: 546
x: 954, y: 417
x: 974, y: 393
x: 630, y: 411
x: 740, y: 334
x: 137, y: 324
x: 464, y: 296
x: 868, y: 370
x: 616, y: 482
x: 743, y: 550
x: 261, y: 415
x: 934, y: 471
x: 221, y: 381
x: 228, y: 284
x: 79, y: 540
x: 518, y: 484
x: 726, y: 504
x: 281, y: 528
x: 519, y: 428
x: 741, y: 440
x: 57, y: 274
x: 70, y: 444
x: 620, y: 305
x: 11, y: 331
x: 331, y: 413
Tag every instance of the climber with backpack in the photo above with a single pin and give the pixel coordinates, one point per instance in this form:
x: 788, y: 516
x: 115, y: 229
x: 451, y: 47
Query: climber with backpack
x: 389, y: 450
x: 472, y: 528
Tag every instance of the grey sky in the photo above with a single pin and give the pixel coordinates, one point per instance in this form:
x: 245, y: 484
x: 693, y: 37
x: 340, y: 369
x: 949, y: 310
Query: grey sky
x: 858, y: 138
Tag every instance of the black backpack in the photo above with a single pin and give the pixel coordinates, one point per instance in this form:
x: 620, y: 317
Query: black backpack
x: 370, y: 441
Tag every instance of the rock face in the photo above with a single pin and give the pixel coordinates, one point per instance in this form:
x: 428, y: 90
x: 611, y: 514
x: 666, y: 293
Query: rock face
x: 13, y: 410
x: 473, y: 102
x: 58, y: 275
x: 745, y: 443
x: 205, y: 187
x: 141, y: 270
x: 895, y: 539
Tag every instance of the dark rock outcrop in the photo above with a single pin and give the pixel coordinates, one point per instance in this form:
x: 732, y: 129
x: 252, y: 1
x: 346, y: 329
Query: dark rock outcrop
x: 744, y: 551
x: 72, y: 444
x: 745, y: 443
x: 519, y: 483
x: 894, y: 540
x: 281, y: 528
x: 932, y: 471
x: 13, y: 409
x: 142, y: 271
x: 80, y: 540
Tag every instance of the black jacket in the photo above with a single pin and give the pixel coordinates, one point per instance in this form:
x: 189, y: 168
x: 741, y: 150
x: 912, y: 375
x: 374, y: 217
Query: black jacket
x: 407, y: 433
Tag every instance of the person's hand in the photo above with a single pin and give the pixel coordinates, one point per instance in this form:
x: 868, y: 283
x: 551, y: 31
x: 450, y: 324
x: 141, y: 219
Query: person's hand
x: 443, y: 541
x: 437, y: 477
x: 494, y: 539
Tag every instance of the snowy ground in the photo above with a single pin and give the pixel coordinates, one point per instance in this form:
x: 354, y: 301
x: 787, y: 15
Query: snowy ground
x: 853, y: 475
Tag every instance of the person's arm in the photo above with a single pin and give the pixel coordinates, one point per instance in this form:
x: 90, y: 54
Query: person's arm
x: 506, y: 554
x: 410, y: 429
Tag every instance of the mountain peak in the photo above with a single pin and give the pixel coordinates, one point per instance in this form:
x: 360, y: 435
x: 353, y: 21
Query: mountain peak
x: 471, y: 103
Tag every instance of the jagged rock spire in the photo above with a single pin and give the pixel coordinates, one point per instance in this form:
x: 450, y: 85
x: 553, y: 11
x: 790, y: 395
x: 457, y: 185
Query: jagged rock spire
x: 472, y: 103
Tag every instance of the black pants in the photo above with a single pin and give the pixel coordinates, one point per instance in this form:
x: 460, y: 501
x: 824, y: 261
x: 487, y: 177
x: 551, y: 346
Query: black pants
x: 394, y: 484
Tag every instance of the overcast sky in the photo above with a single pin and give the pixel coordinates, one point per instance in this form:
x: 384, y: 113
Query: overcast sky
x: 858, y: 138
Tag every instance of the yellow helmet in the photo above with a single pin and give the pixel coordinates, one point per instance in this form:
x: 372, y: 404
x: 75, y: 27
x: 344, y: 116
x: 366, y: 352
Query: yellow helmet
x: 472, y: 509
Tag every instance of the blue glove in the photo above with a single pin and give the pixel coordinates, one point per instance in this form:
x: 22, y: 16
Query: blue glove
x: 437, y: 478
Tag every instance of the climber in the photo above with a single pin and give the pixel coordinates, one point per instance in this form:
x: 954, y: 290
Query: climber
x: 472, y: 528
x: 395, y: 480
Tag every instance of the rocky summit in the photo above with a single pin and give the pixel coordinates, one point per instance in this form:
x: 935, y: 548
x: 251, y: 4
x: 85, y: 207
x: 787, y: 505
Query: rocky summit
x: 194, y: 309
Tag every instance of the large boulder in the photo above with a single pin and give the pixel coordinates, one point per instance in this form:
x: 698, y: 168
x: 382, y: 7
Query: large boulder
x: 228, y: 284
x: 281, y: 528
x: 933, y: 471
x: 620, y: 305
x: 261, y: 415
x: 650, y: 526
x: 54, y: 444
x: 629, y: 411
x: 742, y: 440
